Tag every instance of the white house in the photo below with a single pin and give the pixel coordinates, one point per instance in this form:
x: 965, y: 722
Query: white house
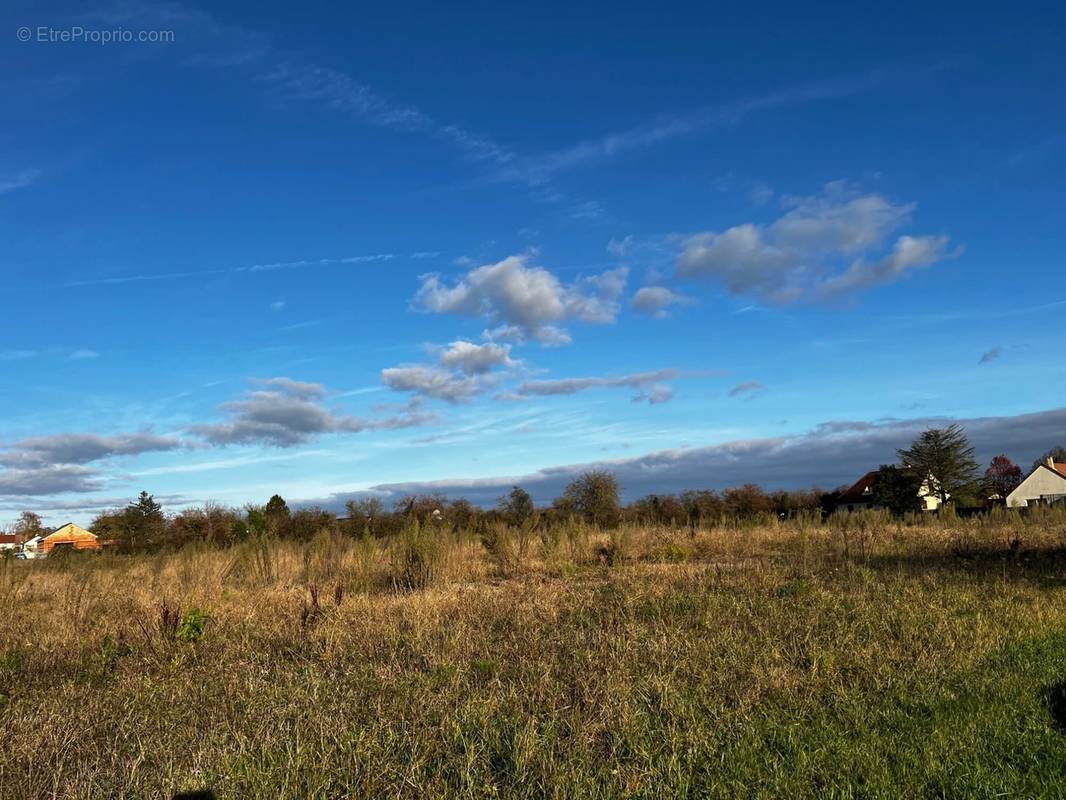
x: 1045, y: 484
x: 31, y: 547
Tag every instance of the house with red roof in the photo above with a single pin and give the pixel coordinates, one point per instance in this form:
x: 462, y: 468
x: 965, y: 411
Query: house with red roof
x: 862, y: 496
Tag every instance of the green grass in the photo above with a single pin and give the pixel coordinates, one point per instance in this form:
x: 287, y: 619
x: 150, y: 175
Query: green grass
x: 729, y: 670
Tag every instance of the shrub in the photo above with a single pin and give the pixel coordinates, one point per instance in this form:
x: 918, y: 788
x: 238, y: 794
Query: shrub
x: 416, y: 557
x: 499, y: 542
x: 191, y: 628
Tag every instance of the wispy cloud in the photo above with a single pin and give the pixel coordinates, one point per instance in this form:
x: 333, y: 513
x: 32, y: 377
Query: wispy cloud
x: 249, y: 269
x: 20, y: 180
x: 648, y: 386
x: 538, y: 169
x: 211, y: 44
x: 747, y: 390
x: 991, y: 355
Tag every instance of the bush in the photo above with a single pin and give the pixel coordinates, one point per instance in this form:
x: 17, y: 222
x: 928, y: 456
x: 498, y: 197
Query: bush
x: 500, y: 544
x: 192, y: 626
x: 416, y: 557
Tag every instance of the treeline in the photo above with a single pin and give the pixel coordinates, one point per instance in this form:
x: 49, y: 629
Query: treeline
x: 939, y: 463
x: 592, y: 498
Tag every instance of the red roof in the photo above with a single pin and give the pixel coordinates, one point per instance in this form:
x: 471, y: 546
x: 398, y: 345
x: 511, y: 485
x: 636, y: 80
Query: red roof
x: 862, y: 491
x: 10, y: 538
x: 1060, y: 467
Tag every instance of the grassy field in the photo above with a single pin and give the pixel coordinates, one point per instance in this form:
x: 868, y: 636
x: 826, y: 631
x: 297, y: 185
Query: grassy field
x: 793, y: 660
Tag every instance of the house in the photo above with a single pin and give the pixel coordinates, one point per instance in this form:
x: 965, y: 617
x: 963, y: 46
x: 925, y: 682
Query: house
x: 65, y: 537
x: 10, y: 541
x: 31, y: 546
x: 863, y: 493
x: 860, y: 497
x: 1045, y: 485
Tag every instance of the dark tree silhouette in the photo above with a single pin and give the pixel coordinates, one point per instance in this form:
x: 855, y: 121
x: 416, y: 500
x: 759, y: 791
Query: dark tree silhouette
x: 944, y: 458
x: 1002, y: 476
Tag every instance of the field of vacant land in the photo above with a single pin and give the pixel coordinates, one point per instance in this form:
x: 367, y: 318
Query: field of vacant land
x: 859, y: 658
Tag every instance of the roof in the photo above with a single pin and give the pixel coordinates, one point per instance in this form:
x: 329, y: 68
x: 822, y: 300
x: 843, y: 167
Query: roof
x: 1060, y: 467
x: 9, y: 538
x: 71, y: 531
x: 862, y: 491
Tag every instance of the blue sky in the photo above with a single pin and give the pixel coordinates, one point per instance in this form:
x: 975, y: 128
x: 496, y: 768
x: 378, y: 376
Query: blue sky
x: 321, y: 252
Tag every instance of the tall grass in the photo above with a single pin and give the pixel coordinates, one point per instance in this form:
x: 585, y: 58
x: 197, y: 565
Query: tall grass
x: 863, y: 657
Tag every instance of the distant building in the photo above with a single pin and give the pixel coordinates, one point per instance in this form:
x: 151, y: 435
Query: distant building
x: 66, y: 537
x: 1045, y: 485
x: 10, y: 541
x: 862, y: 496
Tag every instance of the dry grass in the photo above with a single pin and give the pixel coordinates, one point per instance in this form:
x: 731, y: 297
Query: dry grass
x: 857, y: 659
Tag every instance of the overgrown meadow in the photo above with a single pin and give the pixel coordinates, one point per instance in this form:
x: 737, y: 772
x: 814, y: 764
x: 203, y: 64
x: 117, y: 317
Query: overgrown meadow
x: 860, y: 657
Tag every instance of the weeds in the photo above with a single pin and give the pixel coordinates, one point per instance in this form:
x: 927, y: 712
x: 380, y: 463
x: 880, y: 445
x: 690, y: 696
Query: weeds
x: 724, y: 662
x: 192, y: 626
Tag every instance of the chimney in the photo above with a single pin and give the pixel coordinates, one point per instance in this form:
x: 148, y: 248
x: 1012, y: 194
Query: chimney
x: 1051, y: 461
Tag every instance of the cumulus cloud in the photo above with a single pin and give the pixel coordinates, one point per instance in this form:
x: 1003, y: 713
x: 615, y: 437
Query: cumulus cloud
x: 656, y: 300
x: 82, y: 448
x: 647, y: 385
x: 430, y: 381
x: 909, y: 253
x: 834, y: 454
x: 823, y: 246
x: 286, y: 413
x: 301, y: 389
x: 475, y: 359
x: 463, y: 371
x: 525, y: 301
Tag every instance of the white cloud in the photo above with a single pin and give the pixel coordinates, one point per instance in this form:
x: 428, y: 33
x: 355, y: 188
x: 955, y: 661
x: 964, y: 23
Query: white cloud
x: 656, y: 300
x: 435, y: 382
x: 805, y: 253
x: 18, y: 181
x: 475, y: 359
x: 908, y: 254
x: 525, y: 301
x: 539, y: 169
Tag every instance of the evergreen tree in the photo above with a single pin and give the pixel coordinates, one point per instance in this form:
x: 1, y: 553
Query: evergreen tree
x: 278, y: 516
x: 143, y: 524
x: 944, y: 458
x: 897, y: 490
